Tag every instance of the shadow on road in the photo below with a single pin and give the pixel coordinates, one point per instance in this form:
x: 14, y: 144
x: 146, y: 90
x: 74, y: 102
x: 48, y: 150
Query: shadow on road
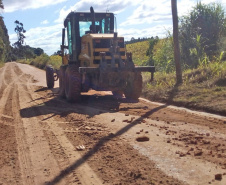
x: 59, y: 106
x: 99, y: 144
x: 90, y: 105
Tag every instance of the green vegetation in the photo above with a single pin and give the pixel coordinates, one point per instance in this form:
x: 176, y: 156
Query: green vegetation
x: 1, y: 4
x: 19, y: 51
x: 204, y: 88
x: 203, y: 58
x: 138, y: 50
x: 202, y: 39
x: 24, y: 52
x: 43, y: 60
x: 201, y: 34
x: 133, y: 40
x: 163, y: 55
x: 150, y: 51
x: 20, y: 34
x: 4, y: 39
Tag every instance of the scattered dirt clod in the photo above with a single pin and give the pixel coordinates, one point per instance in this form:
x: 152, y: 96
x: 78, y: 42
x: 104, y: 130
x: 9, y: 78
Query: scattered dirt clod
x: 218, y: 177
x: 142, y: 139
x: 198, y: 153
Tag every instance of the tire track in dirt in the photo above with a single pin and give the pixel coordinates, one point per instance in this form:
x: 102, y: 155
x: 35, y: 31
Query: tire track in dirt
x: 7, y: 105
x: 12, y: 76
x: 2, y: 71
x: 33, y: 167
x: 84, y: 173
x: 23, y: 147
x: 60, y: 156
x: 12, y: 106
x: 81, y: 175
x: 44, y: 166
x: 5, y: 77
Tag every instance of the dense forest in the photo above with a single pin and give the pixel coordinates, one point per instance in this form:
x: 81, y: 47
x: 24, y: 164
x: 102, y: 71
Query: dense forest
x: 4, y: 38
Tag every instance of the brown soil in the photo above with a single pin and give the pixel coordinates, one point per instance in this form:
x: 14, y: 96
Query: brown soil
x: 102, y: 140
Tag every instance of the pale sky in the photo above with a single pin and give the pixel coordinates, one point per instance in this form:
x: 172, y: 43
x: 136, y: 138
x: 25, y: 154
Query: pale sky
x: 43, y: 19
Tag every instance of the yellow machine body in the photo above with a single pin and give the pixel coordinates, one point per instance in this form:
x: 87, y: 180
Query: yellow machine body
x: 91, y: 47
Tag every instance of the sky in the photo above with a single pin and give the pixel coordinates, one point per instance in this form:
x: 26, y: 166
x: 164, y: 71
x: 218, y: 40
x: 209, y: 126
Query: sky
x: 43, y: 19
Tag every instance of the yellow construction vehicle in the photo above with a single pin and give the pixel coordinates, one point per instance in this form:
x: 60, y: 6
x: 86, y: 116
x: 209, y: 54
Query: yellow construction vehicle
x: 96, y: 59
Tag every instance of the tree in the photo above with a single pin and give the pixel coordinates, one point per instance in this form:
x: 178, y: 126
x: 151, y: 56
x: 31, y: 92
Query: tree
x: 152, y: 42
x: 176, y: 42
x: 201, y: 33
x: 38, y: 51
x: 163, y: 54
x: 1, y: 5
x: 20, y: 34
x: 4, y: 38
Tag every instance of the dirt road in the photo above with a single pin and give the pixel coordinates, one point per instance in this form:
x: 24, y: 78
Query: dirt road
x: 102, y: 140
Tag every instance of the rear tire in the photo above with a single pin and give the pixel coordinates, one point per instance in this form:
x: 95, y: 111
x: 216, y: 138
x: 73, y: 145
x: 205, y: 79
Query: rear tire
x: 62, y: 81
x: 73, y: 84
x: 134, y: 88
x: 49, y: 76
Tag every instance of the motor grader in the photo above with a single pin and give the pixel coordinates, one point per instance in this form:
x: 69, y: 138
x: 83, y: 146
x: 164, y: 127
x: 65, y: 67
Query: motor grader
x: 95, y: 57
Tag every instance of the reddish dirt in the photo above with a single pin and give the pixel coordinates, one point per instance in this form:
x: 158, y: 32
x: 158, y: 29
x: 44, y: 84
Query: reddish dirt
x: 102, y: 140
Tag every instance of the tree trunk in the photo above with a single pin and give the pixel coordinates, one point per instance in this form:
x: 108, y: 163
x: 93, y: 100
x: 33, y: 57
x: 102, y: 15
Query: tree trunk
x: 176, y: 42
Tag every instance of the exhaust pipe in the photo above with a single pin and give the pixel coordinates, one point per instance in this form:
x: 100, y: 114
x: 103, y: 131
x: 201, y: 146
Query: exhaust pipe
x: 93, y: 19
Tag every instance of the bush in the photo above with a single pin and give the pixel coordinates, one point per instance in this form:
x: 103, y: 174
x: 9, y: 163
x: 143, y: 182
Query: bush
x: 55, y: 61
x: 41, y: 61
x: 163, y: 55
x: 201, y: 33
x: 138, y: 51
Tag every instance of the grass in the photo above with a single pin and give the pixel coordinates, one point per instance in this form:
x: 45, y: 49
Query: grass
x: 43, y: 60
x: 138, y: 50
x: 203, y: 88
x: 1, y: 64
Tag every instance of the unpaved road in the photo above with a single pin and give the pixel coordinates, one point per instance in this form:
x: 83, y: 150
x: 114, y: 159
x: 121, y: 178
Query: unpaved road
x: 41, y: 136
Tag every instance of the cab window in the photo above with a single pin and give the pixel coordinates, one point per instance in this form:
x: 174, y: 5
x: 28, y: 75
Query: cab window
x: 102, y: 25
x: 69, y: 37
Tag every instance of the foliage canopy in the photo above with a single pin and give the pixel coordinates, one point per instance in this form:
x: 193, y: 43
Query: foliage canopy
x: 1, y: 5
x: 20, y: 33
x: 4, y: 38
x: 201, y: 32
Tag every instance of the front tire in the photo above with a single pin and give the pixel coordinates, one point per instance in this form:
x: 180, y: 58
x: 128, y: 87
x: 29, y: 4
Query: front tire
x: 73, y: 84
x: 62, y: 81
x: 134, y: 87
x: 50, y: 76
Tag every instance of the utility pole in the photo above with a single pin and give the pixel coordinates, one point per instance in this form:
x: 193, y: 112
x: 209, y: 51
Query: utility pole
x: 176, y: 42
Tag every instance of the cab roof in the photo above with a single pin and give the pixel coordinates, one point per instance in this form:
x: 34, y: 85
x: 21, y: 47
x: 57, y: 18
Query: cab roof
x: 86, y: 15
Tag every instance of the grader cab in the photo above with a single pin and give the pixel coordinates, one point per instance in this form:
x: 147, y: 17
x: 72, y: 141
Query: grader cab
x: 96, y: 59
